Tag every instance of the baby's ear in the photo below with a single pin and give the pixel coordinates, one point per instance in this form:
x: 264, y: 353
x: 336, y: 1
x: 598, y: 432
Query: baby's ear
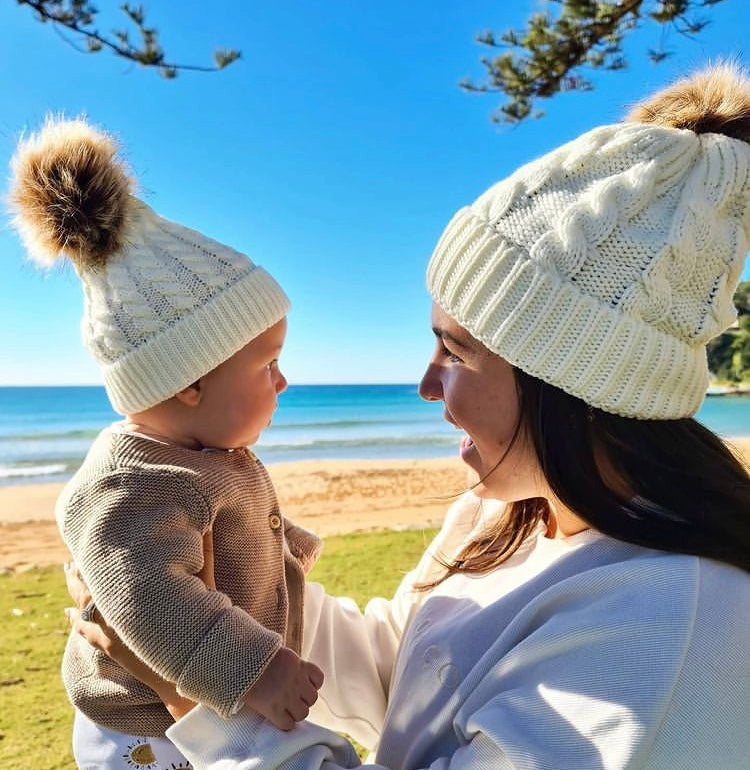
x: 192, y: 395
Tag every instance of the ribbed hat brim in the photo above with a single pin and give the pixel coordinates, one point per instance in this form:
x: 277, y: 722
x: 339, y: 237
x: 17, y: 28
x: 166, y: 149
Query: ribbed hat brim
x: 178, y: 356
x: 553, y: 331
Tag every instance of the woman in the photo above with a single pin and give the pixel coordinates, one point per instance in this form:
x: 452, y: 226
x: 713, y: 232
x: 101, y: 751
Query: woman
x: 598, y: 617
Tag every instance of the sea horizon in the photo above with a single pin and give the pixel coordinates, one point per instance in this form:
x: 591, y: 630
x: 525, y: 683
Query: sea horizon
x: 45, y: 430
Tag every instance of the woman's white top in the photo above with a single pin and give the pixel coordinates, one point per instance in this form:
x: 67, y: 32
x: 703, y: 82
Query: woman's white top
x: 582, y: 652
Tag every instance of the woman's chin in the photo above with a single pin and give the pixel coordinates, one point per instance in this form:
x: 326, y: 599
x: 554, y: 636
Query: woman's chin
x: 470, y: 457
x: 480, y: 479
x: 468, y: 451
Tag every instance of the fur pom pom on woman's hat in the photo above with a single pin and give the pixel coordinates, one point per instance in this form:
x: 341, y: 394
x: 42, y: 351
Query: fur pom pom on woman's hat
x: 605, y: 266
x: 163, y: 304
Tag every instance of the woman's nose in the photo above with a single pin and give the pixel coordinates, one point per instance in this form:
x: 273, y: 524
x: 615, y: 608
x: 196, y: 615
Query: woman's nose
x: 430, y: 388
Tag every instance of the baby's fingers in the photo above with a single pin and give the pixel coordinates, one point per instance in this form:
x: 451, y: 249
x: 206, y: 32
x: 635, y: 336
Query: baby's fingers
x: 314, y: 674
x: 308, y: 694
x: 284, y: 720
x: 298, y: 711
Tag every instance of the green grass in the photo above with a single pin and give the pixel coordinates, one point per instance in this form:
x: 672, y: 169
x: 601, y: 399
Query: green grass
x: 367, y: 565
x: 35, y: 716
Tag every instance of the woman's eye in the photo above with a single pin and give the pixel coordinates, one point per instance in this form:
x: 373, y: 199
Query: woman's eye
x: 452, y: 357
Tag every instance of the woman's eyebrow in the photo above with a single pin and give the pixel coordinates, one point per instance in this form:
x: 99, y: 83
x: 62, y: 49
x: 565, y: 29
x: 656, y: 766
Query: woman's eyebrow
x: 444, y: 335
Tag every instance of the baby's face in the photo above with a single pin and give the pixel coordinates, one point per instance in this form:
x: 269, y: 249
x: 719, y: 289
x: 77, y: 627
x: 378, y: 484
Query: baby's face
x: 239, y: 397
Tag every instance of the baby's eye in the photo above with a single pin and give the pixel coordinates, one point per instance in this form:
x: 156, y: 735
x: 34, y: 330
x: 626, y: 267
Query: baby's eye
x: 271, y: 365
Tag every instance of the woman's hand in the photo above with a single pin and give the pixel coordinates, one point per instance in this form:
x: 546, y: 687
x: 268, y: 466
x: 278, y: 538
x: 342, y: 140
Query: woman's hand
x: 101, y: 636
x: 207, y: 573
x: 95, y: 630
x: 86, y: 620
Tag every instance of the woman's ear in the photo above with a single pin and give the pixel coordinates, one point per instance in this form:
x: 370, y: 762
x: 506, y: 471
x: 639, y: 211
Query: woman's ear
x: 192, y: 395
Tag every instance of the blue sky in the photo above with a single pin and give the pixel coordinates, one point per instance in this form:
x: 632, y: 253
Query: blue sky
x: 333, y: 154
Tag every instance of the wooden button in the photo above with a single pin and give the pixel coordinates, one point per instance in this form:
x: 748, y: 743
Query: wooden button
x: 274, y: 520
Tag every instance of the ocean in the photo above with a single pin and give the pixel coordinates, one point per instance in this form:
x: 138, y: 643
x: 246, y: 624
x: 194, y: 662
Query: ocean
x: 45, y: 431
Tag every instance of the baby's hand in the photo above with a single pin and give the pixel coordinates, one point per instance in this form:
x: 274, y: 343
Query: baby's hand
x: 286, y: 689
x: 308, y: 562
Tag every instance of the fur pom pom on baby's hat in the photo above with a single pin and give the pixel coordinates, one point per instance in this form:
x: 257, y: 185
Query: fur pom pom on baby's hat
x: 163, y: 304
x: 70, y: 194
x: 605, y: 266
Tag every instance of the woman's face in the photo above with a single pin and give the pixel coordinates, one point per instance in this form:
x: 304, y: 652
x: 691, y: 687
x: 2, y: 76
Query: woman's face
x: 478, y: 390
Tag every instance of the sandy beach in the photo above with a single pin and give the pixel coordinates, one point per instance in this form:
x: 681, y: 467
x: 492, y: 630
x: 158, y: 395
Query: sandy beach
x: 329, y: 497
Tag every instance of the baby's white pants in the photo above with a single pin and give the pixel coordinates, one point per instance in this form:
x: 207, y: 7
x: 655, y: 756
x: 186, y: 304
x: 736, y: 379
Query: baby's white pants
x: 97, y: 748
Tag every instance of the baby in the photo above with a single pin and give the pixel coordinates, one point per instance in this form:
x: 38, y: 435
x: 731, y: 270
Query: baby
x: 187, y: 333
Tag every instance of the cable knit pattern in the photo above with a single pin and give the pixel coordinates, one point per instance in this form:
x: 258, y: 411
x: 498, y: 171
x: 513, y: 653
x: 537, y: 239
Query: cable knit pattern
x: 605, y: 266
x: 133, y: 518
x: 170, y: 306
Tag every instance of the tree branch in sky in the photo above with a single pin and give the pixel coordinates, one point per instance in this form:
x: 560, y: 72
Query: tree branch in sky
x: 547, y: 57
x: 79, y: 17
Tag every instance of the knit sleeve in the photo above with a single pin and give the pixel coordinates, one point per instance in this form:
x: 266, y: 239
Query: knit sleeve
x: 357, y: 650
x: 138, y: 543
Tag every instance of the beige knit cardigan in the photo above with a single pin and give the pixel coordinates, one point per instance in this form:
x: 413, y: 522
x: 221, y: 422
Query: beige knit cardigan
x: 133, y: 518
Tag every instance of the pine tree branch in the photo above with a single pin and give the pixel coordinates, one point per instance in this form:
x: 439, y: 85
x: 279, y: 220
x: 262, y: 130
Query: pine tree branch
x: 547, y: 56
x: 79, y: 16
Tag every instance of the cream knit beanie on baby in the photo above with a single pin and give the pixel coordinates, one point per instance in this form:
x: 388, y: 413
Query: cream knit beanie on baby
x: 605, y: 266
x: 163, y: 304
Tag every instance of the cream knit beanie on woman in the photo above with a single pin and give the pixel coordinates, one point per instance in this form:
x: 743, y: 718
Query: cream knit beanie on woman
x: 163, y: 304
x: 605, y: 266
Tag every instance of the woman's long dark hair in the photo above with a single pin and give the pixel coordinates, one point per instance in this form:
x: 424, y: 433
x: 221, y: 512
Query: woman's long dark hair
x: 666, y: 484
x: 672, y: 485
